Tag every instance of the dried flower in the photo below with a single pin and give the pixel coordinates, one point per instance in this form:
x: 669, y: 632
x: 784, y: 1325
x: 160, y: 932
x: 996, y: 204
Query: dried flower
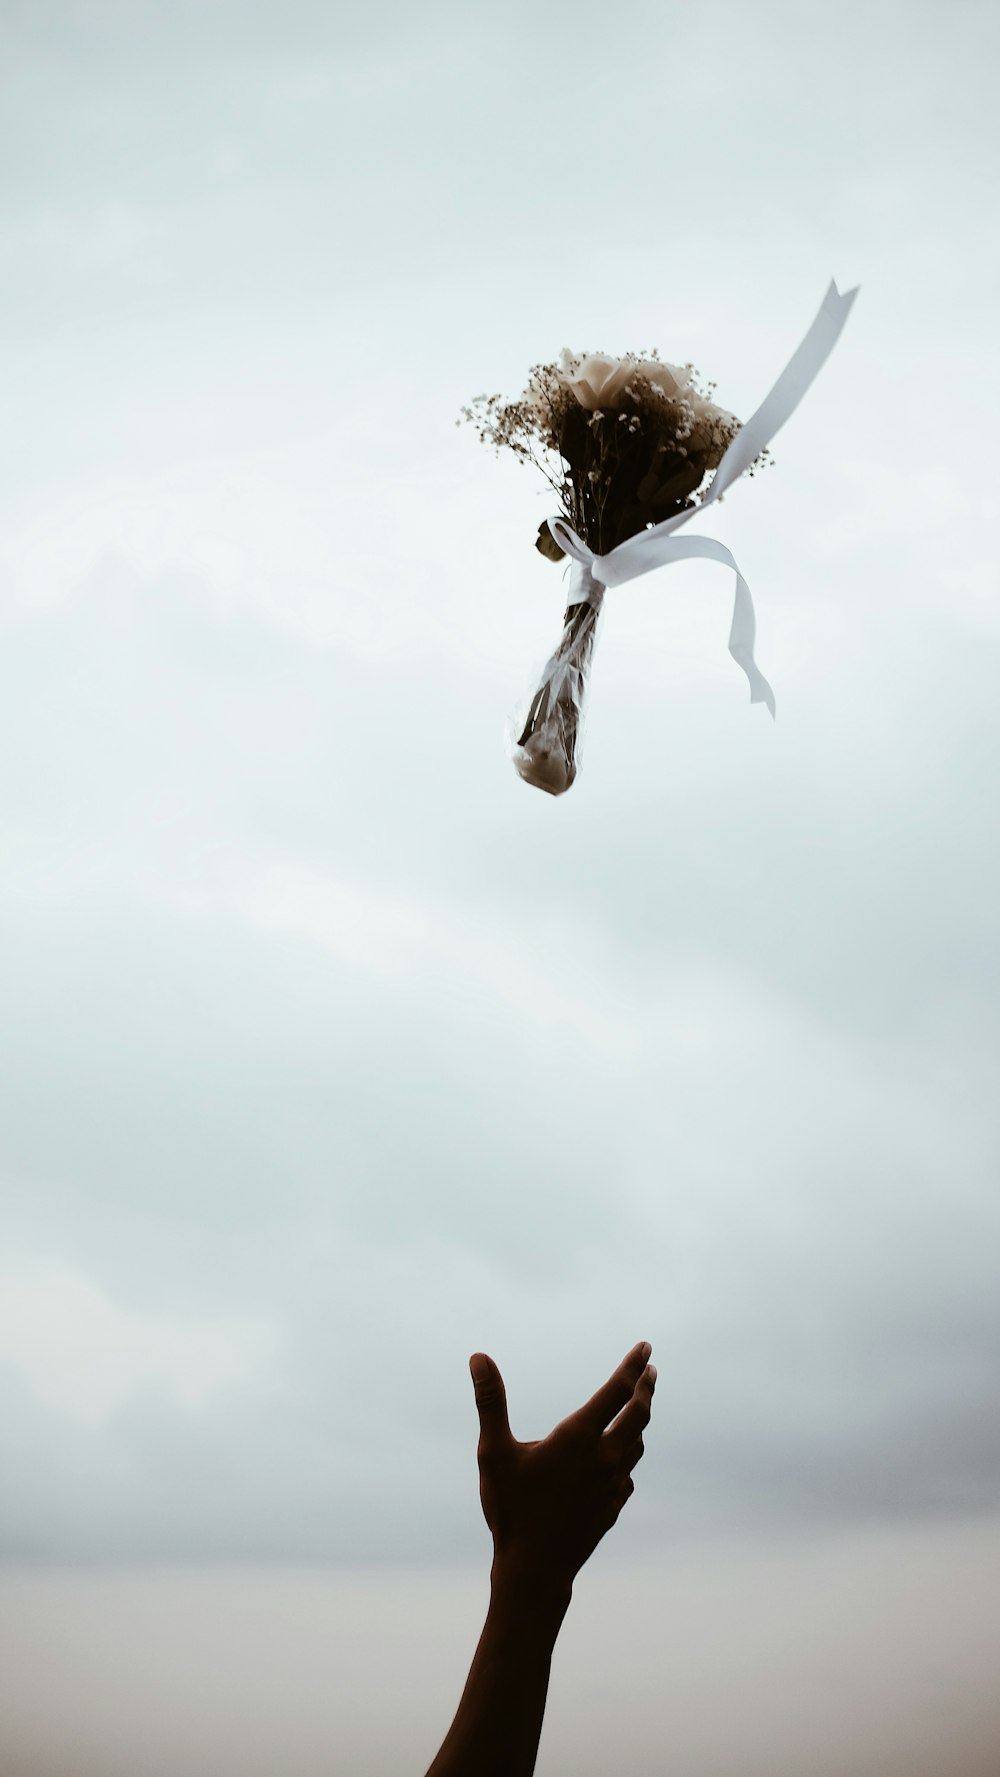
x: 611, y: 481
x: 624, y: 491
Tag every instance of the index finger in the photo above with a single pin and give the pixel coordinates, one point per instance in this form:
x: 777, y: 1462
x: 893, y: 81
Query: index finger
x: 616, y: 1392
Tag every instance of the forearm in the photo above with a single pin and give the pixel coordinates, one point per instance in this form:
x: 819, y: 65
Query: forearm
x: 497, y: 1727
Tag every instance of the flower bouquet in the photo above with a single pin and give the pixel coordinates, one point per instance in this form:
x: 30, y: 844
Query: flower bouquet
x: 632, y: 447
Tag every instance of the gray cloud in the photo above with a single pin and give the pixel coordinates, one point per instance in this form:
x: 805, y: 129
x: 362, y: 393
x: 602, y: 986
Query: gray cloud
x: 311, y: 1012
x: 329, y: 1051
x: 283, y: 1036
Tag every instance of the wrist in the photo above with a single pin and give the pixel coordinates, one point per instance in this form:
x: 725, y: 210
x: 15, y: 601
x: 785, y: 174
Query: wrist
x: 525, y: 1588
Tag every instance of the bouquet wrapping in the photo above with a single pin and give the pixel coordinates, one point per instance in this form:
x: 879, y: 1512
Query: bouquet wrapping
x: 546, y: 750
x: 633, y: 448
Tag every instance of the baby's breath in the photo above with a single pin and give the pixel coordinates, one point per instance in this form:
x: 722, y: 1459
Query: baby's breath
x: 613, y: 481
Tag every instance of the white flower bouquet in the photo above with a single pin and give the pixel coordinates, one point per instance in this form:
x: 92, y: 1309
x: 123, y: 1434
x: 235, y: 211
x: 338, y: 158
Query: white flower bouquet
x: 632, y: 447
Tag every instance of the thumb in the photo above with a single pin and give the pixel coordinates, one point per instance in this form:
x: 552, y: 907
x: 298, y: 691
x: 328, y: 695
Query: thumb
x: 491, y: 1400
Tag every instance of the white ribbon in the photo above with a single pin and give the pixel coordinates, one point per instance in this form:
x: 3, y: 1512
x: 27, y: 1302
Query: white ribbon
x: 657, y: 547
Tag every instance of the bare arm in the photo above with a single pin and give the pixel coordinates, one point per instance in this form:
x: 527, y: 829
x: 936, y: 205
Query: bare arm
x: 548, y: 1504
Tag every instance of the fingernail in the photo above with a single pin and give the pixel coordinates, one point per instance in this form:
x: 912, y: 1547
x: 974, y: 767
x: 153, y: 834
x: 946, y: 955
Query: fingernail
x: 646, y: 1353
x: 652, y: 1374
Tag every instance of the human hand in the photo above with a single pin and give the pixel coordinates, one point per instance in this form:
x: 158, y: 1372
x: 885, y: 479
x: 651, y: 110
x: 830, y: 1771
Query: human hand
x: 548, y: 1503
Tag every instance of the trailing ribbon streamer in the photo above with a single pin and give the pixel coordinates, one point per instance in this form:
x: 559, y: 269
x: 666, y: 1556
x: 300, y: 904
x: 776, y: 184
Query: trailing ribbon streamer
x: 657, y: 547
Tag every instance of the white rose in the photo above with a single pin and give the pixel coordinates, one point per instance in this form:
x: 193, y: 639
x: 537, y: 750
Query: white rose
x: 673, y: 379
x: 710, y: 414
x: 712, y: 428
x: 596, y: 381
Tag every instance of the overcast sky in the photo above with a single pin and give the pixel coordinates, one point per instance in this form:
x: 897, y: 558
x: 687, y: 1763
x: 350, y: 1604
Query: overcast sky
x: 330, y: 1050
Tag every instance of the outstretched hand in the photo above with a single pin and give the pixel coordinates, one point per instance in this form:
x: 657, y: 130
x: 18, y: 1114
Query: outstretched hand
x: 548, y: 1503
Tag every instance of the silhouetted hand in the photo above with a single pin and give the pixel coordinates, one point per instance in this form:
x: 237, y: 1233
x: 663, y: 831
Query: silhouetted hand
x: 548, y: 1503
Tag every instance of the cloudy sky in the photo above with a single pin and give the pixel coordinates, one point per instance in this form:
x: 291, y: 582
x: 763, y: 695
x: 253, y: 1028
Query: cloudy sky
x: 330, y: 1050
